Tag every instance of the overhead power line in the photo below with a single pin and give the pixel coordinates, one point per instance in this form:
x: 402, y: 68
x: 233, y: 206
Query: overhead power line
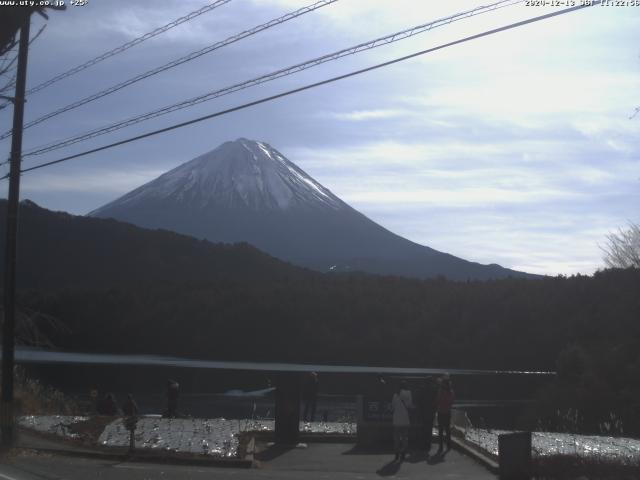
x: 394, y: 37
x: 128, y: 45
x: 314, y: 85
x: 179, y: 61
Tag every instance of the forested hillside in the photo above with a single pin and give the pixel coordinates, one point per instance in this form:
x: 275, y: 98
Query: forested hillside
x: 57, y: 250
x: 505, y: 324
x: 118, y: 288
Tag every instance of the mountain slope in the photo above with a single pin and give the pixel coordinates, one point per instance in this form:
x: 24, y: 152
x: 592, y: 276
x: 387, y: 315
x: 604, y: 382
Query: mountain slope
x: 248, y: 191
x: 58, y: 250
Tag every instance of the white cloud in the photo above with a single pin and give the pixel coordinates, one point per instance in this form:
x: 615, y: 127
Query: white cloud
x: 514, y: 149
x: 459, y: 197
x: 551, y: 241
x: 361, y: 115
x: 532, y: 204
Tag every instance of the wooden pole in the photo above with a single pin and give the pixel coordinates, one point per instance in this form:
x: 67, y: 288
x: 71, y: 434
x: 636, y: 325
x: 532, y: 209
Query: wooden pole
x: 8, y: 328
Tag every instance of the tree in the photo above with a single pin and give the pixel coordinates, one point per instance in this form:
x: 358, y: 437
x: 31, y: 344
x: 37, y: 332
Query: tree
x: 11, y: 19
x: 622, y: 249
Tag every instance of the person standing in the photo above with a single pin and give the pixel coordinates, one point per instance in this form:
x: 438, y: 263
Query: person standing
x: 173, y: 391
x: 310, y: 396
x: 428, y: 405
x: 96, y: 403
x: 400, y: 404
x: 130, y: 407
x: 444, y: 401
x: 109, y: 405
x: 130, y: 410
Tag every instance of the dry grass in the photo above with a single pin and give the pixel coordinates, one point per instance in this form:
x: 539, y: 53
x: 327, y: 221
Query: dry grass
x: 34, y: 398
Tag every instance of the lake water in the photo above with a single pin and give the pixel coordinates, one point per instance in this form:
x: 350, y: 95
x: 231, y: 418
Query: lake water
x: 31, y: 356
x: 492, y: 397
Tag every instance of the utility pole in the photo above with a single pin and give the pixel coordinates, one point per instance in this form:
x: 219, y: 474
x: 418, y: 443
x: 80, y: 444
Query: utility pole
x: 8, y: 330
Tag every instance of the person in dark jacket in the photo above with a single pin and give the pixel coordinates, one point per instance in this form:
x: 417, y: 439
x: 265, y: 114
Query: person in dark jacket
x: 310, y: 396
x: 130, y: 410
x: 444, y: 401
x: 96, y: 401
x: 108, y: 405
x: 173, y: 391
x: 130, y: 407
x: 428, y: 404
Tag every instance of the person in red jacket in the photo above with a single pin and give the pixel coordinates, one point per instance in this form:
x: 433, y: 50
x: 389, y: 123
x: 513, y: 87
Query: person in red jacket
x: 444, y: 401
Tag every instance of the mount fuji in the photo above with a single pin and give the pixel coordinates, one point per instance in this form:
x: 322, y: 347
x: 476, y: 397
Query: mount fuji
x: 248, y: 191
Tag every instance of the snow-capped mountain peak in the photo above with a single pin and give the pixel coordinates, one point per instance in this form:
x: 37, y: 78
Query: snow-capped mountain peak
x: 242, y: 173
x: 247, y: 191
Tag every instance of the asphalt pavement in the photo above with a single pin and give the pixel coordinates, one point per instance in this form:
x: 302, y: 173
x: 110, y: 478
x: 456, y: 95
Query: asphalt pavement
x: 317, y: 461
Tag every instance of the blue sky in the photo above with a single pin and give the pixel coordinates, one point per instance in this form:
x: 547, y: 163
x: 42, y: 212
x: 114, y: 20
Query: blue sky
x: 514, y: 149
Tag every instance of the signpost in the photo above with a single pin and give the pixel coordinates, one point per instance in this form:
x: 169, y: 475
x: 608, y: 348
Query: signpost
x: 374, y: 421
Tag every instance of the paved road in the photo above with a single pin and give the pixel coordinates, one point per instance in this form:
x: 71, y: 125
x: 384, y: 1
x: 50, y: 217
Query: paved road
x: 319, y: 461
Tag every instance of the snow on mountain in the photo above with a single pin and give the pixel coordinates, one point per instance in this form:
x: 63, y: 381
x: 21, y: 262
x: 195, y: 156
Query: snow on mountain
x: 243, y: 173
x: 247, y: 191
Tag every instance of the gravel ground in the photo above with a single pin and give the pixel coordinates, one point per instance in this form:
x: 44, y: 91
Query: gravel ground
x: 215, y: 436
x: 621, y: 449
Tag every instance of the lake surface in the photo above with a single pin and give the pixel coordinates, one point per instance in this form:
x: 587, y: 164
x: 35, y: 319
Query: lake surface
x: 490, y: 397
x: 27, y: 356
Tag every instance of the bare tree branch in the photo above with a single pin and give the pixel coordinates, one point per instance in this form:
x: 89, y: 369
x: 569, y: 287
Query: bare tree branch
x: 33, y: 39
x: 622, y: 249
x: 8, y: 47
x: 31, y: 326
x: 8, y: 63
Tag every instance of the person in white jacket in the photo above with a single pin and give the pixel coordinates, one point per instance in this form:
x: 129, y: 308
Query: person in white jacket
x: 400, y: 404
